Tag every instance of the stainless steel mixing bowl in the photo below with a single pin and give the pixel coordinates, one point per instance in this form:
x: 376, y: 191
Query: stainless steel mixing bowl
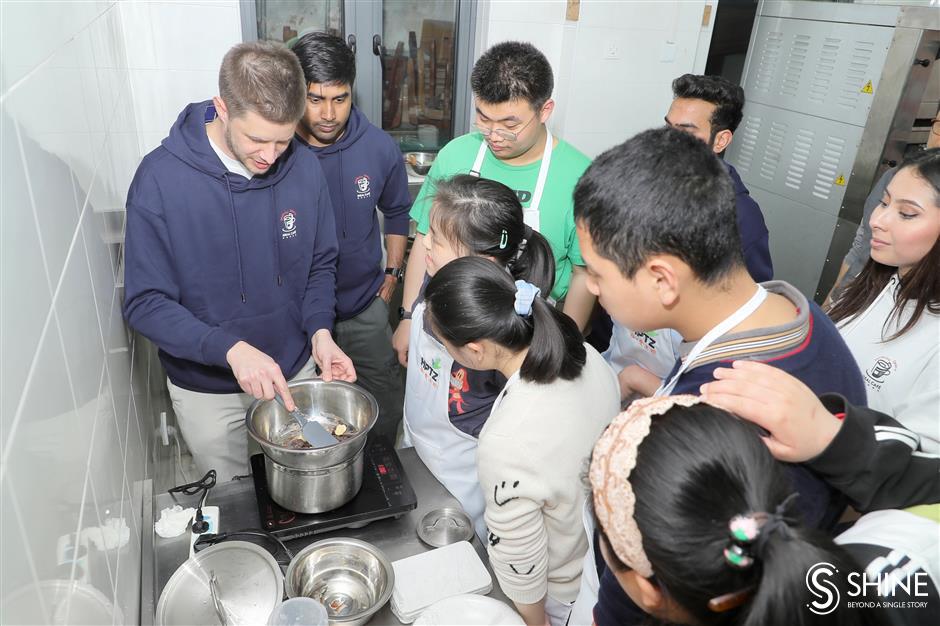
x: 351, y: 578
x: 314, y: 480
x: 420, y: 162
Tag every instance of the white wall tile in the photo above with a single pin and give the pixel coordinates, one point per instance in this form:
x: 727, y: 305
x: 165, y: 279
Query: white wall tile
x: 127, y: 589
x: 50, y: 455
x: 77, y: 316
x: 169, y: 91
x: 21, y: 272
x: 22, y: 604
x: 119, y: 378
x: 528, y: 11
x: 54, y: 202
x: 208, y: 32
x: 107, y: 458
x: 140, y: 45
x: 105, y: 566
x: 32, y: 31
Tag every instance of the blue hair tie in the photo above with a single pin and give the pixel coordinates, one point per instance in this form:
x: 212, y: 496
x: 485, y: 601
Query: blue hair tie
x: 526, y: 293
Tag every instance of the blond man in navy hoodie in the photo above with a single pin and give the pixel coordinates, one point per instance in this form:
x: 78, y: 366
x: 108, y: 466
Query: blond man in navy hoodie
x: 365, y: 171
x: 231, y: 255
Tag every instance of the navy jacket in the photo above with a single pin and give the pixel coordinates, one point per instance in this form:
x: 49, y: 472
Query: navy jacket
x: 213, y: 258
x: 364, y: 169
x: 754, y: 237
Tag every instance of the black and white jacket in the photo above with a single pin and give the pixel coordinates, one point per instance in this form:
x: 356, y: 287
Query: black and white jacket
x: 876, y: 462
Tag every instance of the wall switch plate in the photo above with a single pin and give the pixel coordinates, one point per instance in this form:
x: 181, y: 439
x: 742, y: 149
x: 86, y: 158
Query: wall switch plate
x: 668, y: 54
x: 211, y: 515
x: 611, y: 49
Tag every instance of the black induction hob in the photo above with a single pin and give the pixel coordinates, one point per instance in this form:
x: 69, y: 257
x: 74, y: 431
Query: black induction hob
x: 385, y: 492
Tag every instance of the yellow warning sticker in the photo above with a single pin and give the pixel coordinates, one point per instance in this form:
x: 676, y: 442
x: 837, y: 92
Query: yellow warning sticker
x: 868, y: 88
x: 840, y: 180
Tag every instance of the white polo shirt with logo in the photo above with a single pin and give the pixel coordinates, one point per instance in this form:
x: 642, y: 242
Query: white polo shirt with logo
x: 902, y: 376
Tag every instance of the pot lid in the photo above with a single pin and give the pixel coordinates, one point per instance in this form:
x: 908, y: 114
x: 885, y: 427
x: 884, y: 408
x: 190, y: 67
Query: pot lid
x: 249, y: 585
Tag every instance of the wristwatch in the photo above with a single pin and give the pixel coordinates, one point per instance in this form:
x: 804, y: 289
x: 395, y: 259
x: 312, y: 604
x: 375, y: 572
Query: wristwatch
x: 403, y: 314
x: 397, y: 272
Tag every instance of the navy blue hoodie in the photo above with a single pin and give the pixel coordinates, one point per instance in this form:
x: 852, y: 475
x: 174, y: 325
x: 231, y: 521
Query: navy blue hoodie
x: 754, y: 237
x: 212, y: 258
x: 364, y: 168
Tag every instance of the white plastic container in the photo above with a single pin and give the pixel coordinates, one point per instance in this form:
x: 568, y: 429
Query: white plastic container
x: 299, y: 612
x: 426, y: 578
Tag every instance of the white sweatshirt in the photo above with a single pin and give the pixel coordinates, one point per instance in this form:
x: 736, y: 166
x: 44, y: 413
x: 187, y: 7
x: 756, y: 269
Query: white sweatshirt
x: 532, y: 459
x: 902, y: 376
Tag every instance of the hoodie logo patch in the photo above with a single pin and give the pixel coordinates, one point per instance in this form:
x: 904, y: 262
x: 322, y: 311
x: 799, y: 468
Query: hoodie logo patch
x: 363, y: 187
x: 288, y: 224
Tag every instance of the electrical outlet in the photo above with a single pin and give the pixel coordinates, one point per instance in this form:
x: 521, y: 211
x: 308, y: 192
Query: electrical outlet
x: 211, y: 515
x: 611, y: 49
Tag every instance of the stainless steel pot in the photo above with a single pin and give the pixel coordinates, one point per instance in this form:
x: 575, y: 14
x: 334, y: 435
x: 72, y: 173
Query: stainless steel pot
x: 320, y: 479
x: 314, y: 491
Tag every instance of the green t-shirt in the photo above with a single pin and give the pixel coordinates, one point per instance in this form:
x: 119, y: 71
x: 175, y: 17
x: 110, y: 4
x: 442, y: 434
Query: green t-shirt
x: 556, y: 210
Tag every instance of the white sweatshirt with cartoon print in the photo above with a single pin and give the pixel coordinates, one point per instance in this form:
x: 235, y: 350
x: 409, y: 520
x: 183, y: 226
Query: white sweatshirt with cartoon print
x: 532, y: 460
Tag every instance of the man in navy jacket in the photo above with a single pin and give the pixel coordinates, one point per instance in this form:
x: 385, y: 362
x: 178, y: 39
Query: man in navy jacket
x: 365, y: 170
x: 710, y: 108
x: 231, y: 255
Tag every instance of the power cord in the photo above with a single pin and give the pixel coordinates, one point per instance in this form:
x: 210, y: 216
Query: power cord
x: 210, y: 539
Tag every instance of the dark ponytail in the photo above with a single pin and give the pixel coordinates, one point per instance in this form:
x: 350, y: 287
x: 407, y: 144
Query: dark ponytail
x: 471, y: 298
x: 486, y: 219
x: 698, y: 468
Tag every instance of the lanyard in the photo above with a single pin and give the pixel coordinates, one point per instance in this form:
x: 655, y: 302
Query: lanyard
x: 711, y: 336
x: 543, y: 170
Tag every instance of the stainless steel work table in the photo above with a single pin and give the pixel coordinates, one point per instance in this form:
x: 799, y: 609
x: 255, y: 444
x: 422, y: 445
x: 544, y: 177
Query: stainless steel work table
x: 239, y: 511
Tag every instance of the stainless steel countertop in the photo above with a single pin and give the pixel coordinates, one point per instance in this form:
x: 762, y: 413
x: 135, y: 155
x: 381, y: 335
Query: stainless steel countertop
x: 238, y: 507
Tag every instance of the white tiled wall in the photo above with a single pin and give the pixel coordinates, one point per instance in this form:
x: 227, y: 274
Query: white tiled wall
x: 173, y: 54
x: 601, y: 101
x: 86, y: 87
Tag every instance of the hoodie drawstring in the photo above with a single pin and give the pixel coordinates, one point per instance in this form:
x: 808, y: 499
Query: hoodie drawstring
x: 277, y: 240
x: 342, y: 196
x: 238, y: 248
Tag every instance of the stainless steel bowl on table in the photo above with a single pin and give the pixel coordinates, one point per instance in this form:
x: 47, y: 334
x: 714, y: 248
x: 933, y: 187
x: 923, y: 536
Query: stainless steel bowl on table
x: 351, y: 578
x: 420, y: 162
x: 314, y: 480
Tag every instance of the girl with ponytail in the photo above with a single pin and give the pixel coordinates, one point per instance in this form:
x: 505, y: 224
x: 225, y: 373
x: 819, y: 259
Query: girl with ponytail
x: 446, y: 403
x: 699, y: 524
x: 559, y: 396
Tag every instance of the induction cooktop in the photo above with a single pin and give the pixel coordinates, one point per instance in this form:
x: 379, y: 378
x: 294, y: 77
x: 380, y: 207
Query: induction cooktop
x: 385, y: 492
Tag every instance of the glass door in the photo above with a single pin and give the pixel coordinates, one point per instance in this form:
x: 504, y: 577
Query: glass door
x: 285, y: 20
x: 418, y: 59
x: 412, y: 58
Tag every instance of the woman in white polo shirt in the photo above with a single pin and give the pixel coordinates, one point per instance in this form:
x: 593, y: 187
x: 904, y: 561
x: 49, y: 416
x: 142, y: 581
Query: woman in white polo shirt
x: 890, y: 315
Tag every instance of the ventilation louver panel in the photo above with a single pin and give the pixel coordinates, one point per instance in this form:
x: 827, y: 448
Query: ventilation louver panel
x: 802, y: 157
x: 819, y: 68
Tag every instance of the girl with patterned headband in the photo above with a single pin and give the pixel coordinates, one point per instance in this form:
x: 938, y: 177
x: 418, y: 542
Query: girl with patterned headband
x: 698, y: 524
x: 533, y: 450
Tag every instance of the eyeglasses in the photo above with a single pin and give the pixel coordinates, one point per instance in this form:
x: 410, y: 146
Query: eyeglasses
x: 499, y: 132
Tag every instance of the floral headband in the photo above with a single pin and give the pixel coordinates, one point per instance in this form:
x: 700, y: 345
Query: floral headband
x: 612, y: 462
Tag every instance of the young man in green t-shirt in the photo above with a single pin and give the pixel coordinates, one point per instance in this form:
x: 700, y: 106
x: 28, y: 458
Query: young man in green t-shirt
x: 512, y: 86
